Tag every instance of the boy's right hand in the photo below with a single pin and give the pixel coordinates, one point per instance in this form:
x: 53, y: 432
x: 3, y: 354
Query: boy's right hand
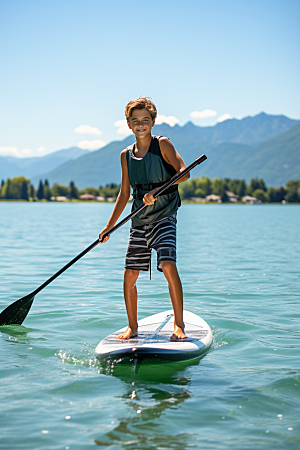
x: 148, y: 198
x: 101, y: 240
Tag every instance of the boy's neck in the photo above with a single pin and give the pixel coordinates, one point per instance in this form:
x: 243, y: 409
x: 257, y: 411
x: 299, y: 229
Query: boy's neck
x: 142, y: 145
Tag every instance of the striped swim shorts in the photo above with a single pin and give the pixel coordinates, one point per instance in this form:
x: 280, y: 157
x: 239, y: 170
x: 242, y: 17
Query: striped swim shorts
x: 160, y: 236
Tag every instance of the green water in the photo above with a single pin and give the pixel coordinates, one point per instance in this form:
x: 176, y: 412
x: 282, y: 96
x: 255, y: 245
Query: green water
x: 240, y: 271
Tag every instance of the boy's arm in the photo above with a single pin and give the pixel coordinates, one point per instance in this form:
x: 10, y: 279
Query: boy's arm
x: 172, y: 157
x: 121, y: 201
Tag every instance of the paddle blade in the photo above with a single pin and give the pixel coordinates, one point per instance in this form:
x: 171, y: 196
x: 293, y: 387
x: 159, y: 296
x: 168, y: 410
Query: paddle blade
x: 15, y: 313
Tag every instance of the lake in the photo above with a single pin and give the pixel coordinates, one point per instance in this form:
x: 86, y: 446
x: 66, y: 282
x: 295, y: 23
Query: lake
x: 239, y: 266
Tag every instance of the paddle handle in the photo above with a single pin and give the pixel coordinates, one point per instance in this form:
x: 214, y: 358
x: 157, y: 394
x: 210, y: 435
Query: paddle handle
x: 122, y: 222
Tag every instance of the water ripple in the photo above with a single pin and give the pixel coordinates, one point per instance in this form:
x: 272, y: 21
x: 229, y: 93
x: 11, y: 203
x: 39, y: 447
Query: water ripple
x: 240, y: 271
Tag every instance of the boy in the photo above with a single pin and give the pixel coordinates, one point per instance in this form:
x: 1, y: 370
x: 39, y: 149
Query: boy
x: 147, y: 165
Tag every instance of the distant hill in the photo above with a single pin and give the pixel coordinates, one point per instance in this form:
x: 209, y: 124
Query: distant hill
x: 29, y: 167
x: 97, y: 168
x: 279, y: 158
x: 276, y: 160
x: 261, y: 146
x: 249, y: 131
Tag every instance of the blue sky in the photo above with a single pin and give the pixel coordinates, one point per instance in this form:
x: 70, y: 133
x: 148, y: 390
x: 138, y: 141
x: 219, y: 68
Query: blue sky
x: 72, y: 63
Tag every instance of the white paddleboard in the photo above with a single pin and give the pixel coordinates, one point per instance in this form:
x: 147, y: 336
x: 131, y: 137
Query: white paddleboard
x: 153, y: 340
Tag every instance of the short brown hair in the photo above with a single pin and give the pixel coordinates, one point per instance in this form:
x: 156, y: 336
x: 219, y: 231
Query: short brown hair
x: 141, y: 103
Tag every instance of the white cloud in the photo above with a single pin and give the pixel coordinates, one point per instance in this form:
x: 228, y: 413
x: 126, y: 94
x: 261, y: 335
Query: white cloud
x: 224, y: 117
x: 123, y: 127
x: 170, y: 120
x: 26, y: 152
x: 87, y: 129
x: 91, y: 145
x: 203, y: 114
x: 9, y: 151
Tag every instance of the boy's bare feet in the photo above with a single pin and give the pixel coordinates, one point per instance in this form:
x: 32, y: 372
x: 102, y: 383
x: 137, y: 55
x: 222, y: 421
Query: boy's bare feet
x: 178, y: 334
x: 129, y: 333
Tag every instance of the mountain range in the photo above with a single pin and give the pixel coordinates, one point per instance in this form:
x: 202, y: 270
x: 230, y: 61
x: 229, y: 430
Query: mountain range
x: 263, y: 146
x: 30, y: 167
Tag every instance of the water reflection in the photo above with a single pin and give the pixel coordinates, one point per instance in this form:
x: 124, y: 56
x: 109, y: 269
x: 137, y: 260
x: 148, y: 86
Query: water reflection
x: 19, y: 334
x: 15, y: 333
x: 149, y: 391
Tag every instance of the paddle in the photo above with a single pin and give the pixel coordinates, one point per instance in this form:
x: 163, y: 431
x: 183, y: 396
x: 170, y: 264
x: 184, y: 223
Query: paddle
x: 15, y: 313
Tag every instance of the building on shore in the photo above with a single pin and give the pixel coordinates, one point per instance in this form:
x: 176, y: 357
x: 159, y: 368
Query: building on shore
x: 232, y: 197
x: 251, y: 200
x: 87, y: 197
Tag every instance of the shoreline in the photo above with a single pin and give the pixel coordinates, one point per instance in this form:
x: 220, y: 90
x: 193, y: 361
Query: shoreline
x: 190, y: 202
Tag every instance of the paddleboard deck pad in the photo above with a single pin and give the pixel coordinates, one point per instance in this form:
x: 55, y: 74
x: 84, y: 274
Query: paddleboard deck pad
x: 153, y: 340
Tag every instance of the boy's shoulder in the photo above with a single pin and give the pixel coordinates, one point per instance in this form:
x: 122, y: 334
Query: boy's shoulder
x: 165, y: 144
x: 164, y: 141
x: 125, y: 150
x: 161, y: 139
x: 123, y: 156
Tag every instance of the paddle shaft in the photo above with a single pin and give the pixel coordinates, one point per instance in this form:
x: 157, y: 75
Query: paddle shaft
x: 169, y: 183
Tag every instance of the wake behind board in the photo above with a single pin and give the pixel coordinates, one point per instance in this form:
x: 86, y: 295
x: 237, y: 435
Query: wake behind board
x: 153, y: 340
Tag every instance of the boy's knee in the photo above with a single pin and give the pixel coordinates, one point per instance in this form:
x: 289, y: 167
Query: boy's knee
x: 168, y: 267
x: 131, y: 275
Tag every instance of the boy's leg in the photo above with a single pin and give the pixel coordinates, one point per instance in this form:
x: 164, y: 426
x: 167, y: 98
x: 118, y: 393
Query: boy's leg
x: 137, y: 258
x: 163, y: 240
x: 130, y: 296
x: 175, y: 288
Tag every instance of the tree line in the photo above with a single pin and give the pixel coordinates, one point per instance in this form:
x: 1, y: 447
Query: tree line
x: 21, y: 188
x: 201, y: 187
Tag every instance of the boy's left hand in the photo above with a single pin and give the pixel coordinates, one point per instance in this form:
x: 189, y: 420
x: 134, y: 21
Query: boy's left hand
x: 148, y: 198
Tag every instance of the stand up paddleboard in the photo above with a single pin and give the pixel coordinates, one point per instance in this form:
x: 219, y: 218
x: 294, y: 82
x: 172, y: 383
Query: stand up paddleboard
x: 153, y: 340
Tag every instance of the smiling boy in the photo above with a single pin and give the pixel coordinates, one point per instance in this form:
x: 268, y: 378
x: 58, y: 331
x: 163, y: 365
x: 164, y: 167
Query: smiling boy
x: 146, y: 165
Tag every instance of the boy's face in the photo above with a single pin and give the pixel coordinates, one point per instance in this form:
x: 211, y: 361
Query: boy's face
x: 141, y: 122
